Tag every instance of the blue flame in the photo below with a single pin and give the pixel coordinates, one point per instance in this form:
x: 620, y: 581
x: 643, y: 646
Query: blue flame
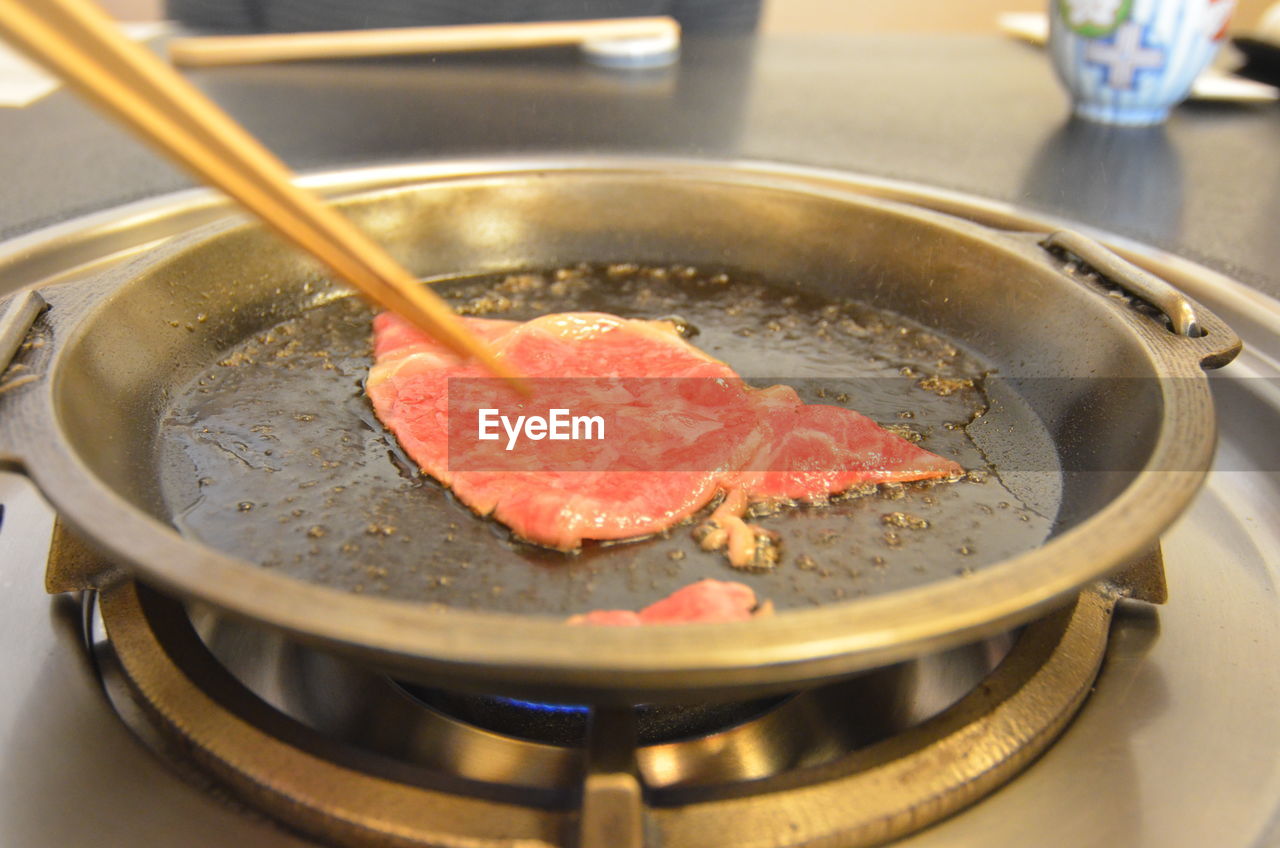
x: 539, y: 706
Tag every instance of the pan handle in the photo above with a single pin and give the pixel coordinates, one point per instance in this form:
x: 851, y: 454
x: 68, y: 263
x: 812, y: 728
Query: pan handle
x: 16, y: 318
x: 17, y: 314
x: 1173, y: 303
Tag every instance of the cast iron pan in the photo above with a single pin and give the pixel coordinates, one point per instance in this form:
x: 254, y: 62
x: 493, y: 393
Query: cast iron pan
x: 199, y: 416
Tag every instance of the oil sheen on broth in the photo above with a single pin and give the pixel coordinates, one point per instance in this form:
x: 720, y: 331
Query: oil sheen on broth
x: 274, y: 455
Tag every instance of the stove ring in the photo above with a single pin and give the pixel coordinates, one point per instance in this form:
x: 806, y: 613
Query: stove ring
x: 866, y: 797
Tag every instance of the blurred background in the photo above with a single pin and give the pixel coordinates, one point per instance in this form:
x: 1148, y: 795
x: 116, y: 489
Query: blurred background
x: 805, y: 16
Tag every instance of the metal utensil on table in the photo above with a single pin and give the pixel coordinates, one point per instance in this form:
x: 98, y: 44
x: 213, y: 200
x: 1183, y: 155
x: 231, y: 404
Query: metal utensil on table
x: 658, y: 36
x: 77, y: 41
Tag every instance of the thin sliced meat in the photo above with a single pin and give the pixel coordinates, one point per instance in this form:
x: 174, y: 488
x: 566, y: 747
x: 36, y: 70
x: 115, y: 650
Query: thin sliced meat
x: 409, y: 385
x: 683, y: 427
x: 706, y: 600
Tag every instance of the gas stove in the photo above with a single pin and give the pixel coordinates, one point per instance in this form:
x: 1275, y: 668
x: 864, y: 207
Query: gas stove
x: 136, y: 719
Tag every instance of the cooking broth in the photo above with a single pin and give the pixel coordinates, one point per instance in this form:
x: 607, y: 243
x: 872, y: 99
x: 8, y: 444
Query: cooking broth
x: 274, y: 455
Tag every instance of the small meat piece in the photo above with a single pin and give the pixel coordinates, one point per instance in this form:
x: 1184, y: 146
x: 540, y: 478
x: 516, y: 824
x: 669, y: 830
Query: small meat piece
x: 706, y: 600
x: 750, y: 547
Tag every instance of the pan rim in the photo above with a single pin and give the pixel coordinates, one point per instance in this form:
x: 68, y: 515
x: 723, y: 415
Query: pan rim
x: 796, y: 645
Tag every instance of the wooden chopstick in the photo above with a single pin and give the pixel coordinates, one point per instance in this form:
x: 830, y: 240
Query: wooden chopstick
x: 288, y: 47
x: 78, y: 42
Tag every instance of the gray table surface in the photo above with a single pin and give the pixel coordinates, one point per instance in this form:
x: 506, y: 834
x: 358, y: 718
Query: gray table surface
x: 973, y: 114
x: 979, y: 114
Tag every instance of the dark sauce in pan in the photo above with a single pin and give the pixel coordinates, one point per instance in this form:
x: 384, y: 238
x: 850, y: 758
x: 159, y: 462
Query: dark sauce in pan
x: 274, y: 455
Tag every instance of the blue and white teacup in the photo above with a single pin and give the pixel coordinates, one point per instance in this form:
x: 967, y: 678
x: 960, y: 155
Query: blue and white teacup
x: 1131, y: 61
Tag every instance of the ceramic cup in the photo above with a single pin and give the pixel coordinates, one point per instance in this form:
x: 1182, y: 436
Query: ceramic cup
x: 1131, y: 61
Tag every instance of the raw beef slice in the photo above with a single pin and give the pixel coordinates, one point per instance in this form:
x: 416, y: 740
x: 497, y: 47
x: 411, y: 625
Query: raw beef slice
x: 706, y: 600
x: 671, y: 457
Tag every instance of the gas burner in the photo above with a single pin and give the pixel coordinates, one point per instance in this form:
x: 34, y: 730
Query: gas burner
x: 566, y: 724
x: 351, y: 756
